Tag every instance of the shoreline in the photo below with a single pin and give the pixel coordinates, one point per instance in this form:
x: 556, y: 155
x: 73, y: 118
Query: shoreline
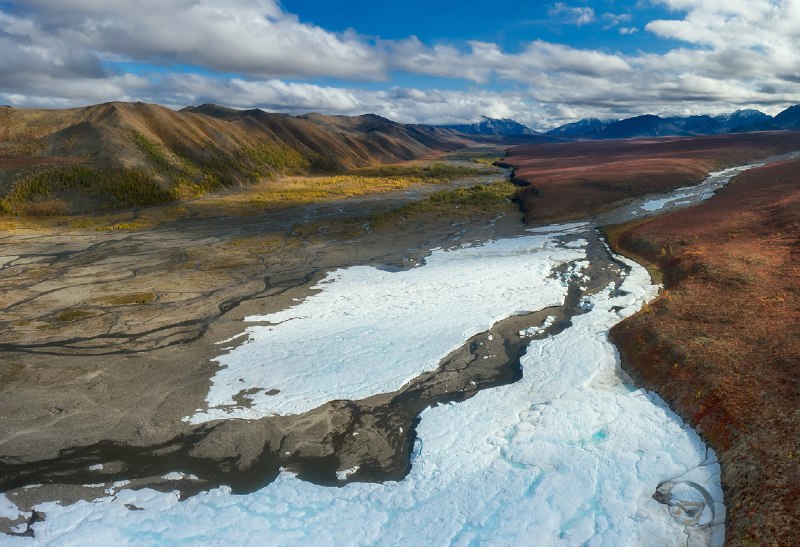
x: 728, y: 249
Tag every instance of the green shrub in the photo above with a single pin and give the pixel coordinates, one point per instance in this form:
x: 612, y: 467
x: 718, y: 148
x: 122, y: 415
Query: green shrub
x: 127, y: 188
x: 278, y: 157
x: 480, y: 197
x: 153, y: 151
x: 438, y: 172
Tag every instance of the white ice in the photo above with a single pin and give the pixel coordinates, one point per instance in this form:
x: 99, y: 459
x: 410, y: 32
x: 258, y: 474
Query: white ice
x: 702, y: 191
x: 572, y: 228
x: 370, y: 331
x: 8, y: 509
x: 345, y: 473
x: 568, y: 455
x: 535, y: 331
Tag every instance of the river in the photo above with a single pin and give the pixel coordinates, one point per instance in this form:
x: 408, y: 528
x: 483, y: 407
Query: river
x: 568, y: 454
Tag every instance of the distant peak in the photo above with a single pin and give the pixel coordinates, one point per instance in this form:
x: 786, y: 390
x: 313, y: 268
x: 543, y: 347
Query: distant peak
x: 494, y: 126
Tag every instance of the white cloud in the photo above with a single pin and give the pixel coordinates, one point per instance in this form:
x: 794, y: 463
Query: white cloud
x: 254, y: 37
x: 614, y: 19
x: 745, y: 23
x: 487, y: 59
x: 572, y: 15
x: 736, y: 54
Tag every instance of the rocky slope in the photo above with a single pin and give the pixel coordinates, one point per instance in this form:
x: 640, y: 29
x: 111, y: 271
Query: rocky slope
x: 720, y: 345
x: 116, y: 155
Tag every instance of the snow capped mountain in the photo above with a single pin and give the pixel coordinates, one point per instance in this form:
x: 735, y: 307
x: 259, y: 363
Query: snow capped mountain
x: 494, y: 126
x: 652, y: 126
x: 580, y: 127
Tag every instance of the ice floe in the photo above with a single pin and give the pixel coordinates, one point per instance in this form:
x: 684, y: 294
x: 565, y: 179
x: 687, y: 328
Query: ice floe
x: 395, y: 325
x: 535, y: 331
x: 344, y: 474
x: 568, y: 455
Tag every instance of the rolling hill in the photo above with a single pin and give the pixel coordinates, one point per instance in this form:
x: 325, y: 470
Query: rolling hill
x: 116, y: 155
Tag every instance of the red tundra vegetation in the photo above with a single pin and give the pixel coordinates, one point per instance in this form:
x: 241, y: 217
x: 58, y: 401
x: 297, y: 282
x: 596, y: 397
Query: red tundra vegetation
x: 722, y: 343
x: 578, y: 179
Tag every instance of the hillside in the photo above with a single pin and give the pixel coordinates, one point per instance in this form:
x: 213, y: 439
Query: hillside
x: 720, y: 345
x: 117, y: 155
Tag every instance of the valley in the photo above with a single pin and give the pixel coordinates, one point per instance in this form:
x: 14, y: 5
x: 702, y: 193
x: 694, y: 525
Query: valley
x: 209, y: 350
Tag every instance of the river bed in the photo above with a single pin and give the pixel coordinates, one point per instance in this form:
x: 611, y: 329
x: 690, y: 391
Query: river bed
x: 569, y: 454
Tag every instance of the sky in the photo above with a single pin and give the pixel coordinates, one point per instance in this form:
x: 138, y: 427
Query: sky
x: 437, y: 62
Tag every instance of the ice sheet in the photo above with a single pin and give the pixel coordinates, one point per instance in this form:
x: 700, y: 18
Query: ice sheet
x: 568, y: 455
x: 393, y: 325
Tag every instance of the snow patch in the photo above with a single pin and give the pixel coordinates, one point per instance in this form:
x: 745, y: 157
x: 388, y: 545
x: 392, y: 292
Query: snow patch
x: 8, y: 509
x: 700, y: 192
x: 396, y: 325
x: 232, y: 338
x: 174, y: 476
x: 563, y: 229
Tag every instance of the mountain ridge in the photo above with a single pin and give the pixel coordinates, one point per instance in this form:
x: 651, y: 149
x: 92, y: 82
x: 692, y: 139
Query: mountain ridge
x: 494, y: 126
x: 122, y: 154
x: 651, y: 125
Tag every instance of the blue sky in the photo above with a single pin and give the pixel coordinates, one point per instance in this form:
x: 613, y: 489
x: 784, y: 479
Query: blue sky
x: 508, y: 23
x: 543, y: 63
x: 511, y: 24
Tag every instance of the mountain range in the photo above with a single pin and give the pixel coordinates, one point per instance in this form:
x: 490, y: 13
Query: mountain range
x: 648, y: 125
x: 133, y: 154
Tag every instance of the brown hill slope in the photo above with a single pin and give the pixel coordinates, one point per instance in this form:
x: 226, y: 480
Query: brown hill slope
x: 116, y: 155
x: 577, y: 179
x: 721, y: 344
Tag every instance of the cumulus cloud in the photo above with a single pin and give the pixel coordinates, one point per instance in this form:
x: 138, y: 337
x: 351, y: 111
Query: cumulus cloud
x: 254, y: 37
x: 484, y: 60
x: 726, y: 23
x: 251, y: 53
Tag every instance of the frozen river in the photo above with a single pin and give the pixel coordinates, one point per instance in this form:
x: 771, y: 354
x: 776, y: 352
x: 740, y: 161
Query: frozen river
x: 570, y: 454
